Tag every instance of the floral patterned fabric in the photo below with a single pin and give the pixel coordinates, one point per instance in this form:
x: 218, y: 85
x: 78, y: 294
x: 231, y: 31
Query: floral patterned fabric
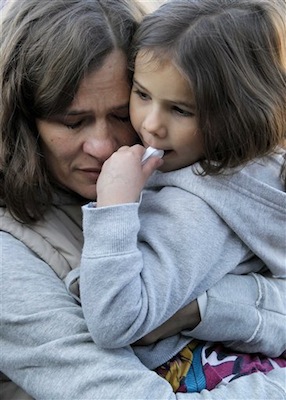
x: 203, y: 365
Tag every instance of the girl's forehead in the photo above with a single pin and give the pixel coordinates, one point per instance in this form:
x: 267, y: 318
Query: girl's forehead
x: 149, y: 58
x: 156, y: 60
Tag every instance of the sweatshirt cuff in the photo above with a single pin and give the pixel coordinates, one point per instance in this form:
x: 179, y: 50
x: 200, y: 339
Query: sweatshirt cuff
x: 229, y: 315
x: 117, y: 227
x: 202, y: 304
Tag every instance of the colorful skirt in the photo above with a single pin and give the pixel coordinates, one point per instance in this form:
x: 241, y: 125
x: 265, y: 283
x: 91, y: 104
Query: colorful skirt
x: 202, y: 365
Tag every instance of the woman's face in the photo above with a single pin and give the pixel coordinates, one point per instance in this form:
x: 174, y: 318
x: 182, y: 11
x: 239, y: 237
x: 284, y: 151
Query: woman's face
x: 75, y: 144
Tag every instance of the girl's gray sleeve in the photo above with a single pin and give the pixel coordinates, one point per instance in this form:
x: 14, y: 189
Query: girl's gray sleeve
x: 247, y: 313
x: 130, y: 287
x: 47, y: 350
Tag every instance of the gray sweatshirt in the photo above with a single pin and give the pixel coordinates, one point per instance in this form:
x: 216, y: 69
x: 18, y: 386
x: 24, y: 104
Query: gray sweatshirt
x: 46, y: 347
x: 47, y: 350
x: 143, y: 262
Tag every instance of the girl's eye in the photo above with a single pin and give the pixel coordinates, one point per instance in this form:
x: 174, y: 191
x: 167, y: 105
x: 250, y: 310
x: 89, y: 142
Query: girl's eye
x: 182, y: 112
x: 141, y: 95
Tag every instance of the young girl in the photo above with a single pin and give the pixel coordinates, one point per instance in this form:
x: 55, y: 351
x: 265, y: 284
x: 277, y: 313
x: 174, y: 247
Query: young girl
x: 209, y: 89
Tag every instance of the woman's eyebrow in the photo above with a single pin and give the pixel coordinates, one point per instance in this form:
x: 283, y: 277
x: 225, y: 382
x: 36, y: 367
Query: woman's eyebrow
x: 121, y: 107
x: 74, y: 111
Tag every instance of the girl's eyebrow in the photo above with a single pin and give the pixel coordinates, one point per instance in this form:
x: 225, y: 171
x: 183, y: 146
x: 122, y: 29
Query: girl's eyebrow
x: 177, y: 102
x: 139, y: 85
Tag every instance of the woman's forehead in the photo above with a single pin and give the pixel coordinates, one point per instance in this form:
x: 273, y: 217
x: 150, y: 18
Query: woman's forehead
x: 107, y: 87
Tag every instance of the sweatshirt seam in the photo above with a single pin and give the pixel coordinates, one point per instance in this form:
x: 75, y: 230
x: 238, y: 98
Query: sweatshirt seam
x: 254, y: 335
x: 277, y: 386
x: 259, y: 198
x: 108, y: 255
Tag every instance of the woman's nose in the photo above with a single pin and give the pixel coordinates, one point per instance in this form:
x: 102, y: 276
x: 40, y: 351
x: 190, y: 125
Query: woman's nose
x: 154, y: 123
x: 100, y: 143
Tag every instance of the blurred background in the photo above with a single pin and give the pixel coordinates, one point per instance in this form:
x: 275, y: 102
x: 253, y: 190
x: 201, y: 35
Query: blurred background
x: 151, y: 5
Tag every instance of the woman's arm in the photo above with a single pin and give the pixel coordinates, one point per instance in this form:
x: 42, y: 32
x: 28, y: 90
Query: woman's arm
x: 47, y: 350
x: 46, y: 347
x: 246, y: 312
x: 253, y: 387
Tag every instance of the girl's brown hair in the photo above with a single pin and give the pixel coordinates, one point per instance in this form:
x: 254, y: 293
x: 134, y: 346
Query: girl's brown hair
x: 46, y: 48
x: 233, y: 53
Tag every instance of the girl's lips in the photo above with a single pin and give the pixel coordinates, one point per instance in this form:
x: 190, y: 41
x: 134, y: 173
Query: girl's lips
x: 166, y: 152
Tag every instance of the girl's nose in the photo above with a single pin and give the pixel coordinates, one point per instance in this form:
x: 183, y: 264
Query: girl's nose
x: 154, y: 123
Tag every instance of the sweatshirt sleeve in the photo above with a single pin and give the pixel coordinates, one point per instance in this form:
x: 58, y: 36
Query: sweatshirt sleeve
x: 46, y: 348
x: 142, y: 264
x: 254, y: 386
x: 247, y: 313
x: 45, y: 345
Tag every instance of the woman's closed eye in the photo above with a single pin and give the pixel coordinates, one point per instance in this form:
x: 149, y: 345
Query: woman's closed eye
x: 74, y: 125
x: 77, y: 122
x: 122, y: 118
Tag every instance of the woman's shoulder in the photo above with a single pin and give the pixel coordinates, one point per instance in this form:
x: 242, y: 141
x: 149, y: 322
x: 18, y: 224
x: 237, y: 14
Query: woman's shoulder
x: 17, y: 259
x: 10, y: 245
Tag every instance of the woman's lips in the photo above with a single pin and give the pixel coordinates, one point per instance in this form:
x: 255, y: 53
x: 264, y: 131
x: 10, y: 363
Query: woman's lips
x: 91, y: 173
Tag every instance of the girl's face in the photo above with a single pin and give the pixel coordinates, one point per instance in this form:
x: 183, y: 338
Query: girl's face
x: 163, y: 112
x: 76, y: 144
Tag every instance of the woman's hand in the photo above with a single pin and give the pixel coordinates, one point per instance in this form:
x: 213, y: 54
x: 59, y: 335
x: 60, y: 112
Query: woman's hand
x: 123, y: 176
x: 186, y: 318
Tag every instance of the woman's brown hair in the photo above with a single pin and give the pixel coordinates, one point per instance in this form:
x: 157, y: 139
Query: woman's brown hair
x: 46, y: 48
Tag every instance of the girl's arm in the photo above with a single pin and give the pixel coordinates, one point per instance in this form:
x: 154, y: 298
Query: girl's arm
x: 129, y: 287
x: 140, y: 265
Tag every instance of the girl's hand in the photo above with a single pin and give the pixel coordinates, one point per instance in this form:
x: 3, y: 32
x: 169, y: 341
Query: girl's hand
x: 123, y: 176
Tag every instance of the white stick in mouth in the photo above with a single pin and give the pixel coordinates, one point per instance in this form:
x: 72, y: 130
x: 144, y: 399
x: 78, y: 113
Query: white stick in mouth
x: 151, y: 152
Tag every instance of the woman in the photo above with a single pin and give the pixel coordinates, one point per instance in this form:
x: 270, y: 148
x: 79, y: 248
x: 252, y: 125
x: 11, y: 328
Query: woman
x: 64, y: 111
